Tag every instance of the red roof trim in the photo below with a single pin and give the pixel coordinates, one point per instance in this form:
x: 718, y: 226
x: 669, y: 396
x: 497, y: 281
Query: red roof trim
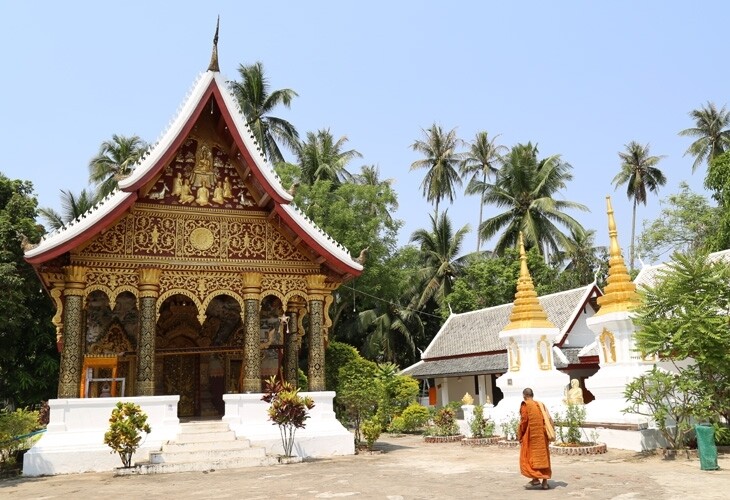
x: 177, y: 142
x: 332, y: 260
x: 83, y: 237
x: 596, y: 290
x: 225, y: 112
x: 470, y: 355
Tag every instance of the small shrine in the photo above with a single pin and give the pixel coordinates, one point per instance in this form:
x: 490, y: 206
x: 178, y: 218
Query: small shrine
x: 529, y: 336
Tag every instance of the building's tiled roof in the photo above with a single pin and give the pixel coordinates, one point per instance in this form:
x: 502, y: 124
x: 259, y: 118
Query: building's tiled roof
x: 477, y: 332
x: 456, y: 367
x: 648, y: 275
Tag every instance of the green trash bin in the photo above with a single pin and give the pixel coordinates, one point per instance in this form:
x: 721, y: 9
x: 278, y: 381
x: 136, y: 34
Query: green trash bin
x: 706, y: 448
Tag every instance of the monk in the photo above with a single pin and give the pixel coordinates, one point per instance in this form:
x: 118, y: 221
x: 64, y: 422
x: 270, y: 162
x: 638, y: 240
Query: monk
x: 534, y: 443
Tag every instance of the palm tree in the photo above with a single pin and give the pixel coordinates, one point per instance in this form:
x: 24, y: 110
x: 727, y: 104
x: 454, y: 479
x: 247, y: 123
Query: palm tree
x: 322, y: 158
x: 525, y: 187
x: 441, y: 161
x: 391, y: 331
x: 480, y: 163
x: 256, y: 101
x: 114, y: 161
x: 639, y: 173
x: 712, y: 133
x: 72, y: 207
x: 439, y: 248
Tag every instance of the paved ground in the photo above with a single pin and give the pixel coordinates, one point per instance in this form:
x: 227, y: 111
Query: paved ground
x: 407, y: 468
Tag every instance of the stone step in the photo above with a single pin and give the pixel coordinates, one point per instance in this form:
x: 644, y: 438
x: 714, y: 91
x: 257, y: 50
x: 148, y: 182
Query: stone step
x: 238, y: 444
x: 220, y: 464
x: 203, y: 426
x: 205, y: 437
x: 206, y: 456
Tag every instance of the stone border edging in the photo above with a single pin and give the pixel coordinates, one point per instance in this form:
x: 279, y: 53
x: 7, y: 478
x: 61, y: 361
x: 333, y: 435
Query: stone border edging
x: 443, y: 439
x: 594, y: 449
x: 508, y: 444
x: 485, y: 441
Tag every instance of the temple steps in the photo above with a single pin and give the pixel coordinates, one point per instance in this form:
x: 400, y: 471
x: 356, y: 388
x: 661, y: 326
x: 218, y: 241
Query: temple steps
x: 203, y: 446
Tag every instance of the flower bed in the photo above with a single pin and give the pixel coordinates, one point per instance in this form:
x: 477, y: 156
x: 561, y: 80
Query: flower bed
x: 443, y: 439
x: 484, y: 441
x: 578, y: 449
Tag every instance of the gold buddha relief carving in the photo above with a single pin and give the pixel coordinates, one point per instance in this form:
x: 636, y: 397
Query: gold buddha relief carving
x: 543, y: 353
x: 608, y: 346
x: 513, y: 351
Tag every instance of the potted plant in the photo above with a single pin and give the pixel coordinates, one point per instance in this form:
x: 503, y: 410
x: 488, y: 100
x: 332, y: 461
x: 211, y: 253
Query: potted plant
x: 288, y: 410
x: 568, y: 427
x: 126, y: 424
x: 482, y: 429
x: 445, y: 428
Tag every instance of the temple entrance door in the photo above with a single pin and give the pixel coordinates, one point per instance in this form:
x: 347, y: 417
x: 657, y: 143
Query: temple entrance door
x: 181, y: 376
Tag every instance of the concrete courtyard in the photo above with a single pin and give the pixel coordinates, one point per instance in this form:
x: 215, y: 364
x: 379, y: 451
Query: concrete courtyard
x: 406, y: 468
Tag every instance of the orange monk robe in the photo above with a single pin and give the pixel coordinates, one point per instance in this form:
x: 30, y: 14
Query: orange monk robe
x: 534, y: 445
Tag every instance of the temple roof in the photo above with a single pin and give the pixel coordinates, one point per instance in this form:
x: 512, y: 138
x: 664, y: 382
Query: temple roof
x: 477, y: 332
x: 209, y: 90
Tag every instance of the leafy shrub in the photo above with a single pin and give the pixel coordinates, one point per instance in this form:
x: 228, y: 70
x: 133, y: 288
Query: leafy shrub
x: 397, y: 425
x: 13, y: 424
x: 481, y: 427
x: 510, y: 426
x: 125, y: 425
x: 370, y: 431
x: 415, y: 417
x: 288, y: 410
x: 357, y: 392
x: 445, y: 422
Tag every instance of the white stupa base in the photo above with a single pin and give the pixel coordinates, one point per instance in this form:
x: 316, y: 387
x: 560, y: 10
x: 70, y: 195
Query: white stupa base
x: 548, y: 387
x: 643, y: 439
x: 608, y: 386
x: 322, y: 436
x: 74, y: 439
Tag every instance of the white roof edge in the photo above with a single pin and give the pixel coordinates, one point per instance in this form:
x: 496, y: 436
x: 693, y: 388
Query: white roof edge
x: 160, y: 147
x: 81, y: 224
x: 321, y: 237
x: 244, y: 131
x: 425, y: 353
x: 185, y: 111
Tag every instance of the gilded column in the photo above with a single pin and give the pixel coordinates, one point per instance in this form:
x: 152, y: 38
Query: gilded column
x: 69, y: 379
x: 252, y: 333
x: 316, y: 290
x: 149, y: 290
x: 291, y: 342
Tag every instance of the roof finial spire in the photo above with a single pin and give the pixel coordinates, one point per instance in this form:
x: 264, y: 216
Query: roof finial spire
x: 213, y: 66
x: 527, y: 311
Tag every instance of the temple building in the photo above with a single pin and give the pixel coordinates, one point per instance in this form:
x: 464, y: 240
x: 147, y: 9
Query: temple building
x: 197, y: 276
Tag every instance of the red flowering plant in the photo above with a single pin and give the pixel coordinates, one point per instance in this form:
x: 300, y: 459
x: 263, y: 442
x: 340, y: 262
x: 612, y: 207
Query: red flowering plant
x: 288, y: 409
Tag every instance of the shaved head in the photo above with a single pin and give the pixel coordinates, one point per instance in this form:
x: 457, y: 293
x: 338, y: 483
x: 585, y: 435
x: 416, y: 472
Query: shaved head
x: 527, y: 393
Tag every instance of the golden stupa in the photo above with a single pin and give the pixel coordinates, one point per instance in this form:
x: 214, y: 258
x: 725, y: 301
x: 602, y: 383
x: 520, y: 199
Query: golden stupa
x: 620, y: 292
x: 527, y: 311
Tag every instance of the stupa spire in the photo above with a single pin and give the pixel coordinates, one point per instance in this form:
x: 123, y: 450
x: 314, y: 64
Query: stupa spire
x: 213, y: 66
x: 620, y: 292
x: 527, y: 311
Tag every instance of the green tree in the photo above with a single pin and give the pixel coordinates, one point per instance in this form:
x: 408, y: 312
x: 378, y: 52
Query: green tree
x: 28, y: 356
x: 114, y: 161
x: 480, y: 163
x: 441, y: 161
x: 257, y: 101
x: 391, y: 331
x: 639, y: 173
x: 712, y: 130
x: 72, y: 207
x: 357, y: 393
x: 718, y: 180
x: 684, y: 317
x: 687, y: 223
x: 488, y: 282
x: 337, y: 355
x: 321, y: 158
x: 526, y: 188
x: 439, y: 247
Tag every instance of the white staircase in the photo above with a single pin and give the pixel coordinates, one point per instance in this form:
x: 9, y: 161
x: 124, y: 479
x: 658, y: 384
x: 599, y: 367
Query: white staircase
x: 203, y: 446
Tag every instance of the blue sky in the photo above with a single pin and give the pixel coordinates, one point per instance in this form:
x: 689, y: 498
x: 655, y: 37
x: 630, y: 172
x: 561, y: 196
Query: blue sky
x: 581, y: 79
